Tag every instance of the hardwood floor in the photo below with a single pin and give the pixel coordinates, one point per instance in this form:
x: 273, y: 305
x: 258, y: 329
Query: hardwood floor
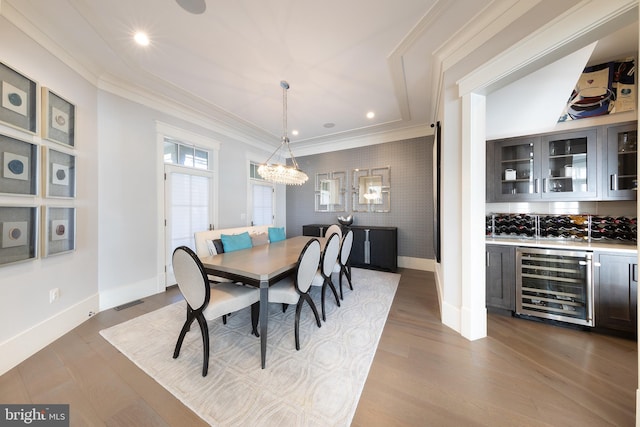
x: 524, y: 373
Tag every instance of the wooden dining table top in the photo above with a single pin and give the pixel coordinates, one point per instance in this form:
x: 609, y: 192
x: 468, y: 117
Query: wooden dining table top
x: 259, y: 263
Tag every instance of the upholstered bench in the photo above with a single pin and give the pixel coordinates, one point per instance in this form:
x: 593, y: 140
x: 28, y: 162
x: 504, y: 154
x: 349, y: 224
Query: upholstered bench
x: 207, y: 240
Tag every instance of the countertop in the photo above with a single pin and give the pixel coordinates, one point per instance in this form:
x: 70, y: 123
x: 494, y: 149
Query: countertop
x: 626, y: 248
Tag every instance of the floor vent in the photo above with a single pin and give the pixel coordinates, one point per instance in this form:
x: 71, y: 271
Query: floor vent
x: 127, y: 305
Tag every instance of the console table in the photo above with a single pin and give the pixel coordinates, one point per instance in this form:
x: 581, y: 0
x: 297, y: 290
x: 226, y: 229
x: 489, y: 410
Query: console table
x: 373, y: 247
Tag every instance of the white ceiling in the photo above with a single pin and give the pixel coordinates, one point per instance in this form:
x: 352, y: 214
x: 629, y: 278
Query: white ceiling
x: 341, y: 58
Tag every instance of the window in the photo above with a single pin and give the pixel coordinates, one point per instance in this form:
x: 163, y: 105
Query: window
x: 253, y: 171
x: 178, y: 153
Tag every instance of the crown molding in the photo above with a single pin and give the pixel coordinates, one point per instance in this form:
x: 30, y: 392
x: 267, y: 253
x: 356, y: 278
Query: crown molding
x: 356, y: 141
x: 584, y: 23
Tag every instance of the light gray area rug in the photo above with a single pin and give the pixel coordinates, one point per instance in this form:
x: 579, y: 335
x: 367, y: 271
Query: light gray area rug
x: 320, y: 385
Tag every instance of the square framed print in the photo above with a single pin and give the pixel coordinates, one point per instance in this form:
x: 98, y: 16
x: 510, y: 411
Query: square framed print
x: 18, y: 233
x: 19, y: 100
x: 60, y: 173
x: 59, y: 230
x: 59, y: 118
x: 18, y: 166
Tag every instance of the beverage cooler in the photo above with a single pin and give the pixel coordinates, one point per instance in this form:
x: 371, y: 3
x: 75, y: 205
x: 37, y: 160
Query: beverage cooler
x: 555, y: 284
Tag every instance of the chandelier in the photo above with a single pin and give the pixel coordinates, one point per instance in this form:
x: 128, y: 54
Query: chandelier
x: 277, y: 172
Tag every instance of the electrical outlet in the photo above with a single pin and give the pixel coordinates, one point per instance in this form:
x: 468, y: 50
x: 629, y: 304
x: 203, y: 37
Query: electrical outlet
x: 54, y: 294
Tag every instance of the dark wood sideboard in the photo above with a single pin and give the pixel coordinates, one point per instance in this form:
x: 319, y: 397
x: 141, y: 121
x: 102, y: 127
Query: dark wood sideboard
x: 373, y: 247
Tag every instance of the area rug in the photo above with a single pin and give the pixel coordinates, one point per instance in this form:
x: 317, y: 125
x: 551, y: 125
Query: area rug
x: 320, y: 385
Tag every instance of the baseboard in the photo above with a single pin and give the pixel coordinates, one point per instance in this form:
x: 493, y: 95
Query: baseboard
x: 423, y: 264
x: 451, y: 316
x: 124, y: 294
x: 24, y: 345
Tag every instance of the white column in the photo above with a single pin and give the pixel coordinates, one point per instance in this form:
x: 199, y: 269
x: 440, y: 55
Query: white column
x: 473, y: 312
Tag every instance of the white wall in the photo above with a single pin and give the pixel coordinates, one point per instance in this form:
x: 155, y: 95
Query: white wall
x: 118, y: 185
x: 27, y: 320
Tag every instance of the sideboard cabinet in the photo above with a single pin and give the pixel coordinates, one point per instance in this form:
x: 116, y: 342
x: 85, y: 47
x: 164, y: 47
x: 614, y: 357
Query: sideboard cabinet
x: 373, y: 247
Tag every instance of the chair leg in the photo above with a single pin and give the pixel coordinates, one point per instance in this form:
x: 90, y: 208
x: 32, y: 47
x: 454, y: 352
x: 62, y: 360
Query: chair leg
x: 347, y: 273
x: 297, y: 324
x: 284, y: 307
x: 185, y: 328
x: 307, y: 298
x: 340, y: 282
x: 333, y: 289
x: 255, y: 316
x: 224, y: 319
x: 205, y: 343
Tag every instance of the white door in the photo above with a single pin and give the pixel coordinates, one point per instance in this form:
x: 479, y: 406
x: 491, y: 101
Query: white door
x: 188, y: 208
x: 262, y: 204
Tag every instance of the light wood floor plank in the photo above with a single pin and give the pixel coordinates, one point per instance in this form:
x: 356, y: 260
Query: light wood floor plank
x: 524, y: 373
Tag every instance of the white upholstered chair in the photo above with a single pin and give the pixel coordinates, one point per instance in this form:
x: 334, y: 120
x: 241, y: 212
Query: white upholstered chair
x: 295, y: 290
x: 333, y: 228
x: 342, y: 266
x: 323, y: 274
x: 205, y: 302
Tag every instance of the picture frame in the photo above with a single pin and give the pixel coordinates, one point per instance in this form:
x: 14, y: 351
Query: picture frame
x: 19, y: 167
x: 59, y: 118
x: 371, y: 190
x: 330, y: 192
x: 60, y: 173
x: 18, y: 234
x: 18, y: 100
x: 59, y: 230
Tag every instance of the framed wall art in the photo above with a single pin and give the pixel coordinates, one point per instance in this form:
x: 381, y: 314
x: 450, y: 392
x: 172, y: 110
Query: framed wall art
x: 18, y: 166
x: 59, y: 230
x: 18, y: 233
x: 371, y: 190
x: 18, y: 94
x: 60, y: 173
x: 59, y: 118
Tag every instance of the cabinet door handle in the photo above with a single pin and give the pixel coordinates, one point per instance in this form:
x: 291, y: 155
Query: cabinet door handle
x: 634, y: 272
x: 537, y: 185
x: 614, y: 182
x: 488, y: 259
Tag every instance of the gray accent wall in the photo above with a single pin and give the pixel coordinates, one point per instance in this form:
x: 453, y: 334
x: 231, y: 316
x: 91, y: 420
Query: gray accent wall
x: 411, y: 163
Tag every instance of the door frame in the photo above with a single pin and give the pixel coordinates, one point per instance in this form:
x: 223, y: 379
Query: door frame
x: 164, y: 130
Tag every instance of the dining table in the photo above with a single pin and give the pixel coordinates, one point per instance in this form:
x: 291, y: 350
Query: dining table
x: 259, y: 266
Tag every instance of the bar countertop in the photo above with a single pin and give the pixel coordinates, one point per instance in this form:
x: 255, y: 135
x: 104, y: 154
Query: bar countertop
x: 625, y: 248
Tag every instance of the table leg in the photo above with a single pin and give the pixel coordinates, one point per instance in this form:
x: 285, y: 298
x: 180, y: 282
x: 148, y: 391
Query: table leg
x: 264, y: 318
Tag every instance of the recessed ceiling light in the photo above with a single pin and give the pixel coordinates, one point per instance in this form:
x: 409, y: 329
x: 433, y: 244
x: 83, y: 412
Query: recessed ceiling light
x: 141, y: 38
x: 294, y: 132
x: 193, y: 6
x: 371, y: 115
x: 329, y: 125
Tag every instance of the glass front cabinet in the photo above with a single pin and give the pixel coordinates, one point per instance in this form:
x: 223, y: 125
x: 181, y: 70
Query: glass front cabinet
x: 622, y: 162
x: 558, y: 166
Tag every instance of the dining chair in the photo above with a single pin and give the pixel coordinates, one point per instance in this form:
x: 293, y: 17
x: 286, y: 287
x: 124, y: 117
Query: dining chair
x: 205, y: 302
x: 342, y: 266
x: 323, y: 273
x: 296, y: 290
x: 333, y: 228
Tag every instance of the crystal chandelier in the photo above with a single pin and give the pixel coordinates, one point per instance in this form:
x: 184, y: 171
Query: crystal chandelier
x: 277, y: 172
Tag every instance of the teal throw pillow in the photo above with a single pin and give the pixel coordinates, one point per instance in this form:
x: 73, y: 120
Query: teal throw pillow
x: 276, y: 234
x: 236, y: 242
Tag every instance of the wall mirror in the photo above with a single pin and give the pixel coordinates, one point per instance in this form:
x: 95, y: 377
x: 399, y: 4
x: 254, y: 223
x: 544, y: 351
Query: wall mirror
x: 372, y: 190
x: 330, y: 192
